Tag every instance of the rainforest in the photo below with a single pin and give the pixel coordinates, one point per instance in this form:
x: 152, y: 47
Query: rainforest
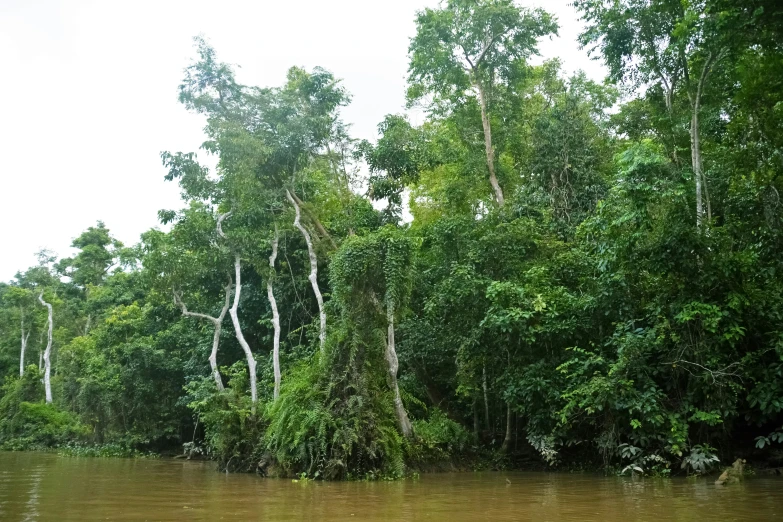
x: 529, y: 269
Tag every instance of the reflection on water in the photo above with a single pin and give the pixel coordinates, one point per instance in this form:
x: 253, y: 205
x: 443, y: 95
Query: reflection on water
x: 35, y: 476
x: 47, y: 487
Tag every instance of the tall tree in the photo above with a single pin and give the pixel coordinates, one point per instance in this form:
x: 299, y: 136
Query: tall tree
x: 270, y: 293
x: 674, y: 43
x: 47, y: 356
x: 22, y: 301
x: 98, y: 251
x: 465, y: 48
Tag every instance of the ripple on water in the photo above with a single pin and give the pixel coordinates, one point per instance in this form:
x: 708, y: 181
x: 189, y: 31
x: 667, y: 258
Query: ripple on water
x: 46, y: 487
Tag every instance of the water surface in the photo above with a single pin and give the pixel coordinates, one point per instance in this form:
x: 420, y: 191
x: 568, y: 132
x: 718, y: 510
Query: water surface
x: 35, y: 486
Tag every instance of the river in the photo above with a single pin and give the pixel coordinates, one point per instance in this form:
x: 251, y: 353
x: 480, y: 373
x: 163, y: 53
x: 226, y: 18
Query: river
x: 38, y: 486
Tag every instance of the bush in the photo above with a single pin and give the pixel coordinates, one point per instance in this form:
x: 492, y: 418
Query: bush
x: 334, y: 430
x: 76, y: 449
x: 232, y: 434
x: 25, y: 424
x: 438, y: 438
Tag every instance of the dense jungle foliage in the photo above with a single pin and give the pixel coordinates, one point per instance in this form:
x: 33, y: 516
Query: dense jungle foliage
x: 549, y: 271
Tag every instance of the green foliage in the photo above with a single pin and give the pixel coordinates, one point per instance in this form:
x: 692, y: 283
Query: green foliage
x: 26, y: 425
x: 587, y: 321
x: 701, y: 459
x: 232, y: 435
x: 332, y: 430
x: 110, y: 450
x: 438, y: 439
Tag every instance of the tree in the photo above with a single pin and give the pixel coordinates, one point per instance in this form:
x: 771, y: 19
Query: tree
x: 186, y: 260
x: 395, y: 161
x: 674, y: 43
x: 467, y: 47
x: 371, y: 278
x: 47, y: 356
x: 98, y: 251
x: 234, y: 313
x: 218, y: 323
x: 275, y: 315
x: 22, y: 300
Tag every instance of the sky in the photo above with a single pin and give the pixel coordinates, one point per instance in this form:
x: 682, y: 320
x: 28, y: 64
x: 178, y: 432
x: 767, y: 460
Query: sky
x: 89, y: 96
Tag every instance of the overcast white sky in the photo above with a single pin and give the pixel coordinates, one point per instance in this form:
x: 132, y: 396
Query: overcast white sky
x: 89, y: 95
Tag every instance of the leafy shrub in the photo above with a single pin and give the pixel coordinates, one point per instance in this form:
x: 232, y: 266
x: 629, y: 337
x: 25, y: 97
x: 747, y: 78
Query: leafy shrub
x: 334, y: 430
x: 232, y: 434
x: 437, y: 438
x: 31, y: 425
x: 775, y: 436
x: 701, y: 459
x: 112, y: 450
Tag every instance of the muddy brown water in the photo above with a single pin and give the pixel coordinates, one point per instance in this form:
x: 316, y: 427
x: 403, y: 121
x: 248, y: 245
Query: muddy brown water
x: 35, y: 486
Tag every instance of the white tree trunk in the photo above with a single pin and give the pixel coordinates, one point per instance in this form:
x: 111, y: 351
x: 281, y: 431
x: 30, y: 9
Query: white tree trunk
x: 251, y: 361
x: 392, y: 366
x: 700, y: 178
x: 218, y: 324
x: 24, y: 347
x: 313, y: 277
x: 697, y: 166
x: 48, y: 353
x: 275, y: 316
x: 493, y: 180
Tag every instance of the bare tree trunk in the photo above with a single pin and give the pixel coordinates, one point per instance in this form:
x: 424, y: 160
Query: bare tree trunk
x: 216, y: 339
x: 702, y: 194
x: 507, y: 439
x: 218, y: 324
x: 488, y: 145
x: 393, y: 365
x: 24, y: 347
x: 48, y: 353
x: 696, y: 163
x: 275, y: 316
x: 313, y: 277
x: 251, y: 361
x: 486, y: 397
x: 234, y: 313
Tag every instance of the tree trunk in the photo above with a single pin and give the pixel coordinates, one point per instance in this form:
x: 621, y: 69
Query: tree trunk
x: 507, y: 439
x: 316, y: 222
x: 313, y: 277
x: 393, y: 365
x: 488, y: 146
x: 24, y: 347
x: 475, y: 420
x: 251, y: 361
x: 702, y: 194
x: 217, y: 322
x: 697, y: 166
x: 275, y: 316
x: 234, y: 313
x: 486, y: 397
x: 216, y: 339
x: 48, y: 353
